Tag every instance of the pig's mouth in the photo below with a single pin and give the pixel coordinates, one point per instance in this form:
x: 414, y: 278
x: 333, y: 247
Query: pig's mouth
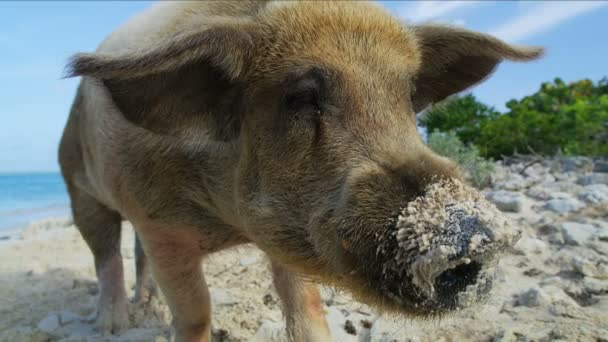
x: 445, y: 281
x: 442, y: 252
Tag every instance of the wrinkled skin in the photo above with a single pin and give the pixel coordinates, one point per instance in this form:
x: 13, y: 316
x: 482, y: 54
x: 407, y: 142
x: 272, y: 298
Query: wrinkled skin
x: 289, y: 125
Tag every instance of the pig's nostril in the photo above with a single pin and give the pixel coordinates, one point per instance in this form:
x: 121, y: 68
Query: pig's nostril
x: 455, y: 280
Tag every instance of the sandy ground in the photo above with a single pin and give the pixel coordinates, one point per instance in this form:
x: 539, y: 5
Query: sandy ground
x: 552, y: 286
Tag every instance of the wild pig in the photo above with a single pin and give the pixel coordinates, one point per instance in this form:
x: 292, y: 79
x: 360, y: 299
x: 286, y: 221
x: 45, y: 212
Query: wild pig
x: 290, y: 125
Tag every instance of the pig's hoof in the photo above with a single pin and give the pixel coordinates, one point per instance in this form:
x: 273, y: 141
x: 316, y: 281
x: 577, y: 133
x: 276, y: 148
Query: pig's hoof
x: 145, y: 295
x: 112, y: 318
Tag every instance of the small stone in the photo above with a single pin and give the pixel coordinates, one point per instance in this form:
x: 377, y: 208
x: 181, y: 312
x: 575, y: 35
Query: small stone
x: 600, y: 166
x: 66, y: 317
x: 530, y: 245
x: 336, y: 322
x: 506, y: 200
x: 532, y: 297
x: 594, y: 194
x: 221, y: 297
x: 577, y: 233
x: 595, y: 286
x: 270, y: 332
x: 564, y: 205
x: 248, y: 260
x: 349, y: 327
x: 139, y: 335
x: 49, y: 324
x: 504, y: 335
x: 327, y: 294
x: 590, y: 268
x: 570, y: 164
x: 593, y: 178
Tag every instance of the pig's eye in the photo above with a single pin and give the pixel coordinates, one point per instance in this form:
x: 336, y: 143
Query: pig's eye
x: 304, y: 92
x: 303, y: 102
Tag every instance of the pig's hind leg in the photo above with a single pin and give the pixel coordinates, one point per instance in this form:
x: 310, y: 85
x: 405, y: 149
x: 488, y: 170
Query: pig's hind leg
x: 302, y: 307
x: 100, y: 227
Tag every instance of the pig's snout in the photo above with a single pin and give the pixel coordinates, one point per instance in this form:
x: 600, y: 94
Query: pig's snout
x: 447, y: 247
x: 459, y: 270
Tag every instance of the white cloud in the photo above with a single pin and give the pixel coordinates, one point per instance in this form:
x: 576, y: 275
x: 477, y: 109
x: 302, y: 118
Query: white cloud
x: 429, y: 10
x: 543, y: 17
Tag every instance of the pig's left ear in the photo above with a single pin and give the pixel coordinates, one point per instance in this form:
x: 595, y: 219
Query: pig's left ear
x: 454, y: 59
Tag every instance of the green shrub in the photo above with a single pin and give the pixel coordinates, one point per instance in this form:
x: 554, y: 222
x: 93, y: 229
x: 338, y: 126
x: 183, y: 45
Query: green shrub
x: 477, y: 170
x: 569, y: 118
x: 463, y: 115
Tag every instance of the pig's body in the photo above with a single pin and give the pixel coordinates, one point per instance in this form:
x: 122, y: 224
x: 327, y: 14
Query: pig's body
x: 211, y: 124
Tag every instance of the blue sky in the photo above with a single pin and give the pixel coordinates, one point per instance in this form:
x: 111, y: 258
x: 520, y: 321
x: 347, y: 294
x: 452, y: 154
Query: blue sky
x: 37, y: 37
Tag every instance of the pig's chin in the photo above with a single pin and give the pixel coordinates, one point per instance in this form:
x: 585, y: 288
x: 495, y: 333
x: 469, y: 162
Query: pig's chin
x: 441, y: 253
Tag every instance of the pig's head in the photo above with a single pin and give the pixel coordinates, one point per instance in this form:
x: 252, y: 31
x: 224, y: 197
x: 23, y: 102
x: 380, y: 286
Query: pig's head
x: 315, y: 104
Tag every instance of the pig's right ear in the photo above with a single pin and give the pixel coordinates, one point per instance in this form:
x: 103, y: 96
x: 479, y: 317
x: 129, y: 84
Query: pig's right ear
x: 454, y: 59
x: 189, y: 81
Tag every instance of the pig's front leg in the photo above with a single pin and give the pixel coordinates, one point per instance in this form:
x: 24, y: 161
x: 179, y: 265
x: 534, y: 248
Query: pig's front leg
x: 302, y: 307
x: 175, y: 260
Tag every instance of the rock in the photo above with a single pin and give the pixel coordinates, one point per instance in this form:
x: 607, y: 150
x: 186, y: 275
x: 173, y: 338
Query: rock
x: 270, y: 331
x: 78, y: 331
x: 506, y: 335
x: 537, y: 296
x: 564, y: 205
x: 589, y: 267
x: 577, y: 233
x: 530, y: 245
x: 248, y: 260
x: 66, y: 317
x: 336, y: 321
x: 140, y: 335
x: 595, y: 286
x: 531, y: 297
x: 570, y: 164
x: 594, y: 194
x: 221, y: 297
x: 600, y: 166
x: 513, y: 182
x: 593, y: 178
x: 49, y: 324
x: 506, y: 200
x: 327, y: 294
x: 384, y: 330
x: 566, y: 186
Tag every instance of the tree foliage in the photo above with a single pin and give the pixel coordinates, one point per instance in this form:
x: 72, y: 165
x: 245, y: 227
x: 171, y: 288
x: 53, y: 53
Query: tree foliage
x: 569, y: 118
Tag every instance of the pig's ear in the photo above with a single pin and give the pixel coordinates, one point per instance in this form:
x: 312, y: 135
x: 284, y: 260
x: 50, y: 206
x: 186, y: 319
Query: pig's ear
x: 454, y: 59
x: 183, y: 83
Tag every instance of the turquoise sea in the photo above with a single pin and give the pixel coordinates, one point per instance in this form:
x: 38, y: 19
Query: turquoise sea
x: 25, y: 197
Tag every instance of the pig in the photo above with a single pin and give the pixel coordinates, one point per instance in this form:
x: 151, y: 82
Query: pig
x: 290, y: 126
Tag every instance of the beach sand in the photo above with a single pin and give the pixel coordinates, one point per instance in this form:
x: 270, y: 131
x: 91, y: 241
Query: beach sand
x: 552, y: 286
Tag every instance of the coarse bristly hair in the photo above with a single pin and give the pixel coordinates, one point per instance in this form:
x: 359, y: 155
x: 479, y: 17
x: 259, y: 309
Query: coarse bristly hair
x: 290, y: 125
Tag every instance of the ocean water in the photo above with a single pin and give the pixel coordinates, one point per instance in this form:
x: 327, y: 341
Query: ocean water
x: 25, y: 197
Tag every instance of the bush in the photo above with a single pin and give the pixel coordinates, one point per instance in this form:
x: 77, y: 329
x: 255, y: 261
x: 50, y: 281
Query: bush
x: 464, y: 116
x: 477, y: 170
x: 559, y: 117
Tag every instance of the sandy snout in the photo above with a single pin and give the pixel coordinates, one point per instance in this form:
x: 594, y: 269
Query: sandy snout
x: 448, y: 242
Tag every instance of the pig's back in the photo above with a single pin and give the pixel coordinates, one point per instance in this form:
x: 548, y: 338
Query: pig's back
x: 165, y: 19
